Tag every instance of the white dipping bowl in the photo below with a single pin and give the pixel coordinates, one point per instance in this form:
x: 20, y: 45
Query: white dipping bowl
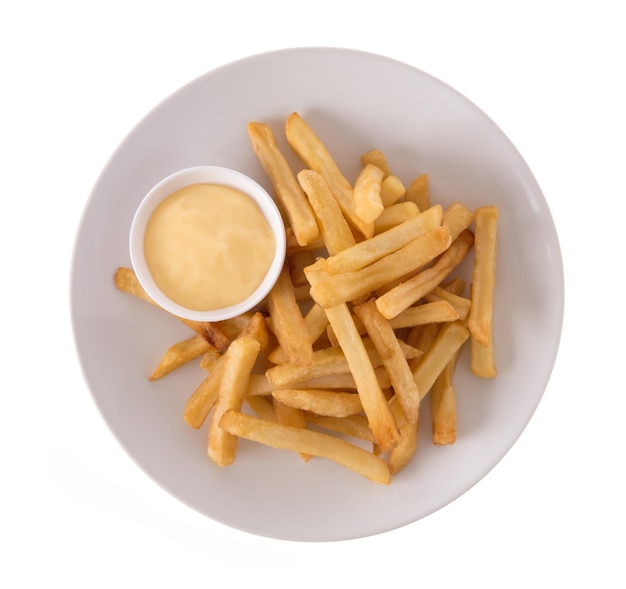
x: 206, y: 175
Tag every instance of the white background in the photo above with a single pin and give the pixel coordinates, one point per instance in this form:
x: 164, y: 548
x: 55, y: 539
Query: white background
x: 76, y: 77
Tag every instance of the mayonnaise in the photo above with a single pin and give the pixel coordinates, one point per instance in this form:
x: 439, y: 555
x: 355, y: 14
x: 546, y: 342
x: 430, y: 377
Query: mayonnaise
x: 208, y: 246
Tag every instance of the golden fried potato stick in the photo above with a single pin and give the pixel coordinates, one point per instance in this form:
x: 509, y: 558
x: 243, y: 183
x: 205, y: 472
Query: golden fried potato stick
x: 232, y: 327
x: 179, y: 354
x: 328, y: 361
x: 292, y: 200
x: 212, y: 333
x: 368, y: 201
x: 209, y: 358
x: 460, y: 304
x: 368, y: 251
x: 484, y: 274
x: 435, y: 312
x: 316, y: 323
x: 291, y: 416
x: 457, y: 217
x: 287, y: 322
x: 377, y: 158
x: 412, y: 290
x: 392, y: 190
x: 393, y: 358
x: 262, y: 406
x: 256, y: 327
x: 126, y: 280
x: 403, y: 452
x: 482, y: 361
x: 314, y: 154
x: 260, y: 384
x: 332, y: 403
x: 355, y: 426
x: 204, y: 397
x: 372, y: 397
x: 334, y: 228
x: 330, y: 291
x: 239, y: 361
x: 443, y: 405
x: 394, y: 215
x: 306, y: 441
x: 434, y: 359
x: 418, y: 192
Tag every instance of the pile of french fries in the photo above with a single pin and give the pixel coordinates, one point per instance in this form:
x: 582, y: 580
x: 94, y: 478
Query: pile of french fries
x: 365, y: 321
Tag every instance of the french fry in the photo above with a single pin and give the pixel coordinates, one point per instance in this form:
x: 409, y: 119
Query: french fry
x: 484, y: 274
x: 435, y: 312
x: 232, y: 327
x: 179, y: 354
x: 126, y: 280
x: 443, y: 405
x: 291, y: 416
x: 294, y: 203
x: 457, y: 217
x: 316, y: 322
x: 211, y: 332
x: 418, y: 192
x: 377, y: 158
x: 314, y: 154
x: 328, y: 361
x: 368, y: 201
x: 372, y: 397
x: 262, y: 406
x: 460, y: 304
x: 394, y: 215
x: 260, y: 385
x: 308, y: 442
x: 402, y: 454
x: 407, y: 293
x: 239, y: 360
x: 482, y: 361
x: 287, y: 322
x: 371, y: 250
x: 256, y: 328
x: 391, y: 190
x: 321, y: 402
x: 204, y: 397
x: 355, y: 426
x: 334, y: 228
x: 209, y: 358
x: 331, y: 291
x: 432, y: 362
x: 393, y: 358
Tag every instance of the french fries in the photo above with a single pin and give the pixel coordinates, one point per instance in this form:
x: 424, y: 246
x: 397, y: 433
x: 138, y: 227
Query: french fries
x: 315, y: 156
x: 368, y: 200
x: 365, y: 321
x: 287, y: 322
x: 239, y: 360
x: 321, y: 402
x: 393, y: 358
x: 179, y: 354
x: 306, y: 441
x: 286, y: 188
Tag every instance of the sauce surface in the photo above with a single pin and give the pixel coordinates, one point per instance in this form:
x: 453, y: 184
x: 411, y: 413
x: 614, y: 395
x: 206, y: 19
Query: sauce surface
x: 208, y: 246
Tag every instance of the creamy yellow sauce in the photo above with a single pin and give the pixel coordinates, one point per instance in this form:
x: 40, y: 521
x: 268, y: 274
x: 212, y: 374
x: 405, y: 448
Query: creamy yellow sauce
x: 208, y: 246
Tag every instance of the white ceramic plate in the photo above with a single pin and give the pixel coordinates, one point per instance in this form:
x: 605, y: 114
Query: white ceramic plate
x: 354, y: 101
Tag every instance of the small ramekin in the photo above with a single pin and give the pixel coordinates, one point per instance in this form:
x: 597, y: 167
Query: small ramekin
x: 206, y: 175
